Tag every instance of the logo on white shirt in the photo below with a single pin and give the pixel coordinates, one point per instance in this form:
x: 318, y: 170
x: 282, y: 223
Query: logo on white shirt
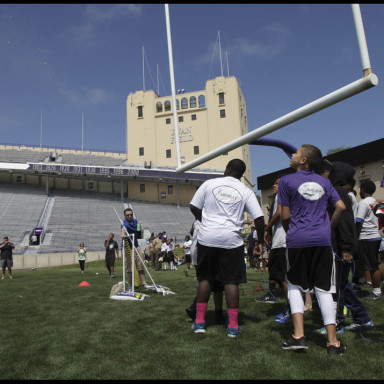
x: 227, y: 195
x: 311, y: 191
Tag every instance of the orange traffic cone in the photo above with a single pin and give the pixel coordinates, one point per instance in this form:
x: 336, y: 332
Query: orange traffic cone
x: 84, y: 284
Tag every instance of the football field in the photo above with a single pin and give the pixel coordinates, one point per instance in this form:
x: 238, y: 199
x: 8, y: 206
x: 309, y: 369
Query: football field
x: 53, y: 329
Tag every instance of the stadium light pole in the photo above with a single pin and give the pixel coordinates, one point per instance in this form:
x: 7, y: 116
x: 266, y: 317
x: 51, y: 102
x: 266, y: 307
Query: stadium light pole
x: 41, y: 129
x: 82, y: 132
x: 172, y: 74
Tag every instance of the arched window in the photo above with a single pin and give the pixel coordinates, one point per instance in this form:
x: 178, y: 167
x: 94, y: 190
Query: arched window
x: 159, y: 106
x: 177, y: 104
x: 192, y: 102
x: 167, y: 106
x: 184, y: 103
x: 201, y: 101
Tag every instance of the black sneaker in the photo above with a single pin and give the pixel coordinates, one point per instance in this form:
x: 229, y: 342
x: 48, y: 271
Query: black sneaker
x: 333, y: 350
x: 191, y: 313
x: 295, y: 344
x: 266, y: 299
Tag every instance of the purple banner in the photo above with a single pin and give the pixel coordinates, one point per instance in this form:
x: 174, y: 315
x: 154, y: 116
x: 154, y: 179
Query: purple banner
x: 120, y: 171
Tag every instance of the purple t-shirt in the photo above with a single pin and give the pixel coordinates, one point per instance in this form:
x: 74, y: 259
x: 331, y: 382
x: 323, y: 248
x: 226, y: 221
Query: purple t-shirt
x: 307, y: 194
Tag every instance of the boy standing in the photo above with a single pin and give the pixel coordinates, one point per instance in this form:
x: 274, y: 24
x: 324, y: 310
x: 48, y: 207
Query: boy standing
x: 303, y: 197
x: 369, y: 237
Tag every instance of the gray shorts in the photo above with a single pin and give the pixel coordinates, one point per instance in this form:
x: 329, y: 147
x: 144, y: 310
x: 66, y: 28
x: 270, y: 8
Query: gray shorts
x: 6, y: 263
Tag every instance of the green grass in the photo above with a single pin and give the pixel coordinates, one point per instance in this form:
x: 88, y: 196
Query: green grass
x: 54, y: 329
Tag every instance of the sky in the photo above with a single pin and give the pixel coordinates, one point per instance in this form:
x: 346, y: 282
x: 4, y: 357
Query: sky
x: 61, y: 61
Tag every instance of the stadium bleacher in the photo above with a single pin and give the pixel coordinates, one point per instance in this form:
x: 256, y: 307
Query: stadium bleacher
x: 77, y: 216
x: 20, y: 209
x: 80, y: 216
x: 160, y: 217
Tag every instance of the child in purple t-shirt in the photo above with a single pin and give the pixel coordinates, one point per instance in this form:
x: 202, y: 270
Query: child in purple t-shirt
x: 303, y: 197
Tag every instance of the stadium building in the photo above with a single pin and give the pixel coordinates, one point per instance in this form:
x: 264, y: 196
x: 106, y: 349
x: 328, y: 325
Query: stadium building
x: 69, y: 194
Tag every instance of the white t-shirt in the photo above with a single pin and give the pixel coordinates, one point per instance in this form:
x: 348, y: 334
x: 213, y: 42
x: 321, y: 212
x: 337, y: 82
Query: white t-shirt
x: 187, y: 247
x: 354, y: 204
x: 278, y: 233
x: 223, y: 202
x: 164, y: 247
x: 370, y: 227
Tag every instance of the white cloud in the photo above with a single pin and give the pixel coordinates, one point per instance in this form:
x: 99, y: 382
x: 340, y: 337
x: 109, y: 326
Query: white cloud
x: 97, y: 15
x: 272, y: 41
x: 100, y: 13
x: 85, y: 97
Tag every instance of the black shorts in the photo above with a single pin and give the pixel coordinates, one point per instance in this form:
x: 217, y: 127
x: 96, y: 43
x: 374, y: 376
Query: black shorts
x: 311, y: 267
x: 188, y: 259
x: 369, y: 254
x: 170, y: 257
x: 110, y: 260
x: 277, y: 264
x: 225, y: 265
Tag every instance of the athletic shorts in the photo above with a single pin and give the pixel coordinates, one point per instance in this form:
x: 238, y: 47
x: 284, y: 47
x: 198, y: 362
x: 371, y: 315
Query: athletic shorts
x: 188, y: 259
x: 277, y: 264
x: 369, y: 254
x: 110, y: 261
x: 311, y: 267
x: 7, y: 263
x: 264, y: 255
x: 225, y: 265
x: 139, y: 264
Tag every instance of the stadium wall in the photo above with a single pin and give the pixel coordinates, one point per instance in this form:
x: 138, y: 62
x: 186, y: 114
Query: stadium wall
x: 46, y: 260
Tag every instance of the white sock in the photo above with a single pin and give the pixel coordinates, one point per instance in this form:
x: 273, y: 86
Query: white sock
x: 376, y: 291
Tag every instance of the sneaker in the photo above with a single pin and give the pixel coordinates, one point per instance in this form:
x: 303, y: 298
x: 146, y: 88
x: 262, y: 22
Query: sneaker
x: 295, y: 344
x: 283, y: 319
x: 191, y: 313
x: 372, y: 296
x: 266, y: 299
x: 233, y: 332
x: 282, y: 314
x: 333, y: 350
x: 356, y: 326
x: 146, y: 286
x: 10, y: 277
x: 323, y: 331
x: 2, y: 277
x: 198, y: 328
x: 112, y: 276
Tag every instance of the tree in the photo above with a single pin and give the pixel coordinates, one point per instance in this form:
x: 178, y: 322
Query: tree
x: 334, y: 150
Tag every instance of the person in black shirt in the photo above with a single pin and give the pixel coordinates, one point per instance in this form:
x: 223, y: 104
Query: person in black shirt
x: 111, y: 252
x: 6, y: 257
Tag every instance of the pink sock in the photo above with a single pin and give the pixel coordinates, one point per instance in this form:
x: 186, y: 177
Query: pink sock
x: 233, y: 314
x: 201, y: 308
